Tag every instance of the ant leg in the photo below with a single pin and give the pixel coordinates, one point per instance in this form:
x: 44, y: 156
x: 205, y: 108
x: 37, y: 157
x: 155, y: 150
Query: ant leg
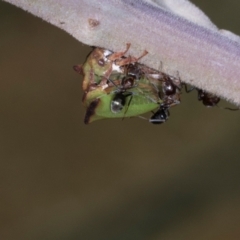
x: 228, y: 108
x: 178, y: 80
x: 107, y: 80
x: 160, y: 68
x: 144, y: 118
x: 188, y: 90
x: 129, y: 102
x: 232, y: 109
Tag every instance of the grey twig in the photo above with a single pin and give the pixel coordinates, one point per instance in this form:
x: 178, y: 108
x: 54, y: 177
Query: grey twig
x: 178, y: 36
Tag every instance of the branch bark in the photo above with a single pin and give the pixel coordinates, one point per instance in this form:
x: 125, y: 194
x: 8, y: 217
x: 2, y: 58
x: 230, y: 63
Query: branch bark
x: 180, y: 39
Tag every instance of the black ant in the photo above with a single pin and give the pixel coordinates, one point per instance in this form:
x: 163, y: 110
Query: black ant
x: 119, y: 100
x: 127, y: 82
x: 208, y: 99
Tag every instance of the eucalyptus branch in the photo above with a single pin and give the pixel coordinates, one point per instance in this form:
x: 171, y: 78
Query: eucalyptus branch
x: 180, y: 39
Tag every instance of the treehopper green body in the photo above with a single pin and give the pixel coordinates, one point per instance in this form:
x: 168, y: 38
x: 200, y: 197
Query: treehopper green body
x: 143, y: 98
x: 103, y: 74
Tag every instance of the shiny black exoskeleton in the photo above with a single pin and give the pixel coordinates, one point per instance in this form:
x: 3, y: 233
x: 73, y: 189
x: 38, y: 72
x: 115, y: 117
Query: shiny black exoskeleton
x: 171, y: 90
x: 208, y: 99
x: 119, y: 100
x: 160, y: 116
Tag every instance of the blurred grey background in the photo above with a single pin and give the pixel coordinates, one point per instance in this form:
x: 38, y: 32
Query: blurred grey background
x: 112, y: 179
